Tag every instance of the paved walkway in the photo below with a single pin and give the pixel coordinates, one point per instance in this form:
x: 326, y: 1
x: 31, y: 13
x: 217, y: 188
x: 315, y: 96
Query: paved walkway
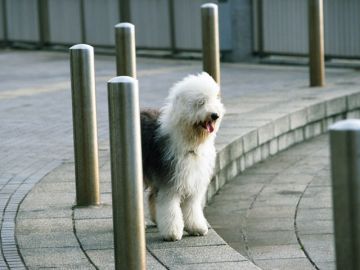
x: 42, y: 229
x: 278, y: 213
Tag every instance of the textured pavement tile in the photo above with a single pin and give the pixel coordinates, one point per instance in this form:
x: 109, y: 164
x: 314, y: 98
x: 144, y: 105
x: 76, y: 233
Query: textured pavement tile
x: 253, y: 177
x: 104, y: 259
x: 54, y: 257
x: 54, y: 212
x: 309, y: 214
x: 292, y: 179
x: 231, y: 234
x: 206, y: 254
x: 320, y: 247
x: 316, y: 202
x: 215, y: 266
x: 279, y: 211
x: 316, y: 192
x: 95, y: 233
x: 217, y: 220
x: 276, y: 252
x: 285, y: 264
x: 326, y: 265
x: 47, y: 240
x: 267, y: 238
x: 42, y: 200
x: 234, y: 188
x: 283, y: 189
x: 98, y: 240
x: 277, y: 200
x: 269, y: 224
x: 155, y: 241
x: 315, y: 226
x: 322, y: 181
x: 44, y: 225
x: 96, y: 212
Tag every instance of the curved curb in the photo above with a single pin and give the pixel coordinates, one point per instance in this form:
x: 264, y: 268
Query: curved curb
x: 287, y: 128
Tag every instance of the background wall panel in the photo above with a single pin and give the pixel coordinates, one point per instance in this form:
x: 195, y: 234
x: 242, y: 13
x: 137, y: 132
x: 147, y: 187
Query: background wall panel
x: 64, y: 21
x: 22, y: 20
x: 285, y: 27
x: 151, y: 20
x: 100, y: 18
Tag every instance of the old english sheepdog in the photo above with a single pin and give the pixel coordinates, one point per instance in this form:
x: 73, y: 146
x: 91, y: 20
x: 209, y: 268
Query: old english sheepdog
x: 179, y: 155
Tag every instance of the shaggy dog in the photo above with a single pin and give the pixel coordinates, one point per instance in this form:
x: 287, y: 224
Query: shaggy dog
x: 179, y: 155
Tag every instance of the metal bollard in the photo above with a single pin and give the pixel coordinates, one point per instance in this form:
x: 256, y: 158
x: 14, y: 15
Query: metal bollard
x: 126, y: 173
x: 210, y: 40
x: 345, y: 167
x: 316, y: 43
x: 125, y: 50
x: 84, y: 125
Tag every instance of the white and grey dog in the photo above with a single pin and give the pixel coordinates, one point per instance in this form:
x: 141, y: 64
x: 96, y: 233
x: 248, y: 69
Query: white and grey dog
x: 179, y: 155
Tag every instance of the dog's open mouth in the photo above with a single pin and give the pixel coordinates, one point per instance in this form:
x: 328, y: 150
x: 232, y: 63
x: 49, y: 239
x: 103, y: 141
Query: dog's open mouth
x: 208, y: 125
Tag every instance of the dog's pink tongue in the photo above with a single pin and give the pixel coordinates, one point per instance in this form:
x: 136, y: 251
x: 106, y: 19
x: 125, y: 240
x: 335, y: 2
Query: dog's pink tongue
x: 209, y: 127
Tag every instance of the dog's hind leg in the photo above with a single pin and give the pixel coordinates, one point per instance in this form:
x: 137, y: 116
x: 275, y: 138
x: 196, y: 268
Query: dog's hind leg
x: 169, y: 218
x: 195, y: 222
x: 152, y: 204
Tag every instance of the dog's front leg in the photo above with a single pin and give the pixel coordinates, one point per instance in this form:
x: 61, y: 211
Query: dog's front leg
x: 169, y: 217
x: 195, y: 222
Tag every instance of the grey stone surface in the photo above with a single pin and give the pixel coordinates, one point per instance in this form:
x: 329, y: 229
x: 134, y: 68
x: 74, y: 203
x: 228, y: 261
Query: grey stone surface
x: 206, y: 254
x: 36, y: 132
x: 288, y: 223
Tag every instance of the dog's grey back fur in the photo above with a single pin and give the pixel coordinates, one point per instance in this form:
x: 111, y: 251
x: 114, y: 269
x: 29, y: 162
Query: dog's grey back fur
x: 156, y: 169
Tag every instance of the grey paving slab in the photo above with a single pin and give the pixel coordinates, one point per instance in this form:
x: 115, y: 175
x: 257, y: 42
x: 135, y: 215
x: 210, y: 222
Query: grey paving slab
x: 286, y: 264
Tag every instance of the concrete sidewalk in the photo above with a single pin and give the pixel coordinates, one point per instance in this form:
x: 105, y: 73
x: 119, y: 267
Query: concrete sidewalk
x: 279, y: 213
x: 269, y: 108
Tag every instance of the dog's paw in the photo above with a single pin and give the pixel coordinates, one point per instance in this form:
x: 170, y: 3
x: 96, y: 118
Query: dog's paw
x: 199, y: 230
x: 174, y: 235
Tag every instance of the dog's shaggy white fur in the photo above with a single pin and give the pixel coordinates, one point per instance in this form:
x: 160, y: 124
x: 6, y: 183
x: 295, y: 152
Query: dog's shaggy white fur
x: 179, y: 155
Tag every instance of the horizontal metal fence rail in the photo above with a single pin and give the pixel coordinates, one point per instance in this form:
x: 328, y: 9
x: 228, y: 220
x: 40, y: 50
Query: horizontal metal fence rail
x: 284, y: 28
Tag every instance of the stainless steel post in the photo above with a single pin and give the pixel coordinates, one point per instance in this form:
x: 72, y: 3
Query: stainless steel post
x: 316, y: 43
x: 210, y: 40
x: 126, y: 173
x: 85, y: 127
x: 125, y: 50
x: 345, y: 167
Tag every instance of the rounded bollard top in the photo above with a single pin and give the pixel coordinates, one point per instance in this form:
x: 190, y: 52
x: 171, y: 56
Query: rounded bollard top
x: 346, y: 125
x: 122, y: 79
x: 125, y: 25
x: 209, y: 6
x: 82, y: 47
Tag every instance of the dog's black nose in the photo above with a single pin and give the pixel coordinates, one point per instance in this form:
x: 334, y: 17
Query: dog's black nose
x: 214, y: 116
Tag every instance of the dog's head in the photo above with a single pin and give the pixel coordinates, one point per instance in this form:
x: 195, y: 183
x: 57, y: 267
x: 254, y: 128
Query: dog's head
x: 194, y: 106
